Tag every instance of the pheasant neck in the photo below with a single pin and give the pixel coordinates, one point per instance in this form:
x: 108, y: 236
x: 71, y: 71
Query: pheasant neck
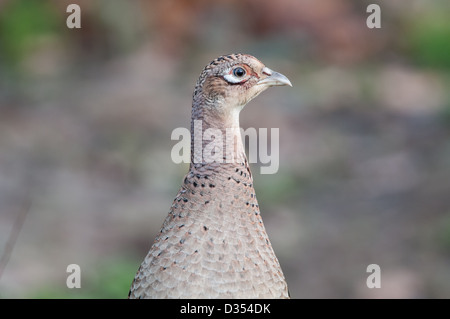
x: 216, y: 139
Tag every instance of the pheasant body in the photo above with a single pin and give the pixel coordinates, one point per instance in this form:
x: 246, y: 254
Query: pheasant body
x: 213, y: 243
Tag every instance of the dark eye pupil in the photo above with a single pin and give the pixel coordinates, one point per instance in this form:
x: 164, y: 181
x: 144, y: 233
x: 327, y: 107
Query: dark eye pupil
x: 239, y: 72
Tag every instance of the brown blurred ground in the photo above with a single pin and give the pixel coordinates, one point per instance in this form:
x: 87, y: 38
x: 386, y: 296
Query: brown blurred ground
x: 86, y: 117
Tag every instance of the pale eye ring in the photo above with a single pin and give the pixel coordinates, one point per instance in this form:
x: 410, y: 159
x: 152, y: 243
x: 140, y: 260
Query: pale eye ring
x: 239, y: 72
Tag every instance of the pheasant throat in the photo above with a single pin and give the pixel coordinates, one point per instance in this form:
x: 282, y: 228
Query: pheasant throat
x: 216, y: 145
x: 205, y: 144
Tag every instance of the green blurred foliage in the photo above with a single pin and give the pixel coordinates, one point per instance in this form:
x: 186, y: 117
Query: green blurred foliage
x: 276, y: 189
x: 111, y: 280
x: 428, y: 40
x: 443, y: 234
x: 21, y: 23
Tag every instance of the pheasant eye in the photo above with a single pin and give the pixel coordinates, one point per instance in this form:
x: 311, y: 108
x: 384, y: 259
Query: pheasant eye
x: 239, y: 72
x: 236, y: 75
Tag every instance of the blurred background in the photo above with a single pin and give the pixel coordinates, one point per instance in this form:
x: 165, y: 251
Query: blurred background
x: 86, y: 117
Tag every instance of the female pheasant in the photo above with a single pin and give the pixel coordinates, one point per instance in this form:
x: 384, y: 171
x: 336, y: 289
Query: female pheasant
x: 213, y: 243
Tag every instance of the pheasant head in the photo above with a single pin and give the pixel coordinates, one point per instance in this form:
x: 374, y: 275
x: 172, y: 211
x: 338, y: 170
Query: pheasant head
x: 228, y: 83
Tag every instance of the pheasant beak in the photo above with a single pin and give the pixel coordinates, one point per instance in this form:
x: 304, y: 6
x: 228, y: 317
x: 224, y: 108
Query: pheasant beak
x: 273, y: 78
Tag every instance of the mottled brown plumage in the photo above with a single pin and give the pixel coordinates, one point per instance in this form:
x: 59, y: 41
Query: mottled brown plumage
x: 213, y: 243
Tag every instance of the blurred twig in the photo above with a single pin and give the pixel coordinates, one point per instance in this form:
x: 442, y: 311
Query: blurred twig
x: 17, y: 226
